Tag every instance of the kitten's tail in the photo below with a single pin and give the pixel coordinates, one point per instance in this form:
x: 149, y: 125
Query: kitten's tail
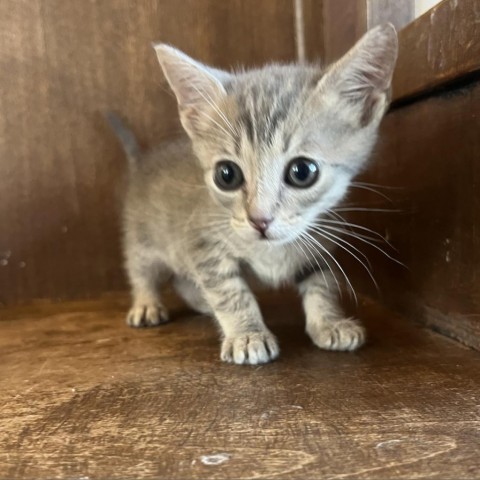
x: 126, y: 138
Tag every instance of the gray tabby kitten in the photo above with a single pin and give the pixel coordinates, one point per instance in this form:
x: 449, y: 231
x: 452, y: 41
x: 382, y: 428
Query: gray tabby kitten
x: 269, y: 152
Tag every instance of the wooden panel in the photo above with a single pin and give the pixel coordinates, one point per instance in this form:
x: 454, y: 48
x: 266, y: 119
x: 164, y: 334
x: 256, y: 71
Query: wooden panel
x: 430, y: 151
x: 314, y: 30
x: 103, y: 401
x: 62, y: 64
x: 437, y: 48
x: 344, y: 22
x: 383, y: 11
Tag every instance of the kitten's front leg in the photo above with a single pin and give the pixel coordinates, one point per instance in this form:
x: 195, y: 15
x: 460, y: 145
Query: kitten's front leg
x: 325, y: 322
x: 146, y: 275
x: 246, y: 338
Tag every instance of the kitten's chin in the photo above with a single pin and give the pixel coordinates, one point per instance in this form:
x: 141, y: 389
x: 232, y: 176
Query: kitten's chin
x: 268, y: 240
x: 277, y: 242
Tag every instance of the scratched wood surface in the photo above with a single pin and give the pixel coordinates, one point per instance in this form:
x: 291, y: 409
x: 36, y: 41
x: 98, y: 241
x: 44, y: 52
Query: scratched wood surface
x: 84, y: 397
x: 438, y: 48
x: 434, y: 50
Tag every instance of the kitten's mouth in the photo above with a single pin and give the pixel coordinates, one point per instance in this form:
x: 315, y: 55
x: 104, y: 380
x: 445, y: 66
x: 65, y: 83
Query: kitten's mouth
x: 269, y: 239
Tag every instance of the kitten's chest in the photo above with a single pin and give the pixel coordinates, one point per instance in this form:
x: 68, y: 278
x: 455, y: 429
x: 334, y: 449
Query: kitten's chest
x: 272, y: 266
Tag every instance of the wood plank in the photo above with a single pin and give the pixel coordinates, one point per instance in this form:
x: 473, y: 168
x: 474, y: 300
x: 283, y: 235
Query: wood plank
x: 344, y: 22
x: 438, y: 48
x: 313, y: 29
x: 83, y: 396
x: 441, y: 44
x: 393, y: 11
x: 64, y: 63
x: 429, y: 153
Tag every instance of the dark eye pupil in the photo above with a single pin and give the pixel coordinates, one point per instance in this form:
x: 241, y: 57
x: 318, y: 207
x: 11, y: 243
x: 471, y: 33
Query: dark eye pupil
x: 228, y: 175
x: 301, y: 173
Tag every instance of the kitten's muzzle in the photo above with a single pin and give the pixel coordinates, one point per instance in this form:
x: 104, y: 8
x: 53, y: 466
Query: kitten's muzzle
x: 260, y: 224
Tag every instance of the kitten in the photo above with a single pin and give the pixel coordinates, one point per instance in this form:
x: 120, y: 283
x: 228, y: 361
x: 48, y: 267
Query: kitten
x: 268, y: 153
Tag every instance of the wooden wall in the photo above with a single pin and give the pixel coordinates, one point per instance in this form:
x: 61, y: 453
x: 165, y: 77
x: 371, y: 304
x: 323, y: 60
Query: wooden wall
x: 62, y: 64
x: 428, y: 158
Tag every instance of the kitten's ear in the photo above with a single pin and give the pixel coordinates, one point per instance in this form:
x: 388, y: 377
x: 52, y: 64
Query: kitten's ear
x: 196, y: 86
x: 363, y: 76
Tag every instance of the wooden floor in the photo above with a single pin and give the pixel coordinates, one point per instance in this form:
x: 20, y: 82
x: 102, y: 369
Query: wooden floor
x: 82, y: 396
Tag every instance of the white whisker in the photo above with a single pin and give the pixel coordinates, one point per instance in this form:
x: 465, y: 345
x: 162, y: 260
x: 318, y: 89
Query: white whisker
x: 370, y: 189
x: 333, y: 214
x: 311, y: 246
x: 366, y: 209
x: 329, y: 236
x: 376, y: 185
x: 354, y: 225
x: 313, y: 242
x: 318, y: 229
x: 205, y: 114
x: 363, y: 239
x: 210, y: 101
x: 313, y: 239
x: 316, y: 261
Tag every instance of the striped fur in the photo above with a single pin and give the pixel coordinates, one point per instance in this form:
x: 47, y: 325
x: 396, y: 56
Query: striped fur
x: 180, y: 225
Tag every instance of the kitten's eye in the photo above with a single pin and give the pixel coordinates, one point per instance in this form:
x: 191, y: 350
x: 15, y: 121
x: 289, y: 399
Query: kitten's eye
x: 301, y: 173
x: 228, y: 175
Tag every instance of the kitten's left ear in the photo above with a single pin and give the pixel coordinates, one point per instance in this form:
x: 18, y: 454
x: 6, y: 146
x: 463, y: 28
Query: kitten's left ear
x: 363, y: 76
x: 196, y: 86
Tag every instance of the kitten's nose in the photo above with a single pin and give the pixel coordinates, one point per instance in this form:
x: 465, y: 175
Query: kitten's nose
x: 260, y: 223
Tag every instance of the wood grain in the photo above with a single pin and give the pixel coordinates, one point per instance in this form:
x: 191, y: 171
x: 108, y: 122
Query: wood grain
x: 83, y: 396
x: 429, y: 153
x: 439, y: 47
x: 313, y: 27
x: 344, y: 22
x: 398, y: 13
x: 62, y: 64
x: 435, y: 50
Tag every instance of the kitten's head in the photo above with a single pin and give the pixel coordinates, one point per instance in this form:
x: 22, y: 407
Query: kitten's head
x: 279, y: 145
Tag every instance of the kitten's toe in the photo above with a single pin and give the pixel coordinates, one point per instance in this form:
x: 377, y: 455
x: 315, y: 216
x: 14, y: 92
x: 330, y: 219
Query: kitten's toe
x: 250, y: 348
x: 147, y: 316
x: 346, y: 334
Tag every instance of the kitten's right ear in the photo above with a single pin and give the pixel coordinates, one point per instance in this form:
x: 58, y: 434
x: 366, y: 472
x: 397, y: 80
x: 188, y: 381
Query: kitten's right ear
x: 196, y: 86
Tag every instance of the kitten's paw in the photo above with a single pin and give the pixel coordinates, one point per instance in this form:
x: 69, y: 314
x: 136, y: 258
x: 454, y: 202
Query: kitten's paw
x: 147, y: 316
x: 250, y: 348
x: 345, y: 334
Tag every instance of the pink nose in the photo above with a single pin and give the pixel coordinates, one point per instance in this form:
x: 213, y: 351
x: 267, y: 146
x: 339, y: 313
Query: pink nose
x: 260, y: 224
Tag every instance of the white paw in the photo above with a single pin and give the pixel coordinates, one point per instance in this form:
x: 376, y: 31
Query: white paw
x: 346, y: 334
x: 250, y: 348
x: 147, y: 316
